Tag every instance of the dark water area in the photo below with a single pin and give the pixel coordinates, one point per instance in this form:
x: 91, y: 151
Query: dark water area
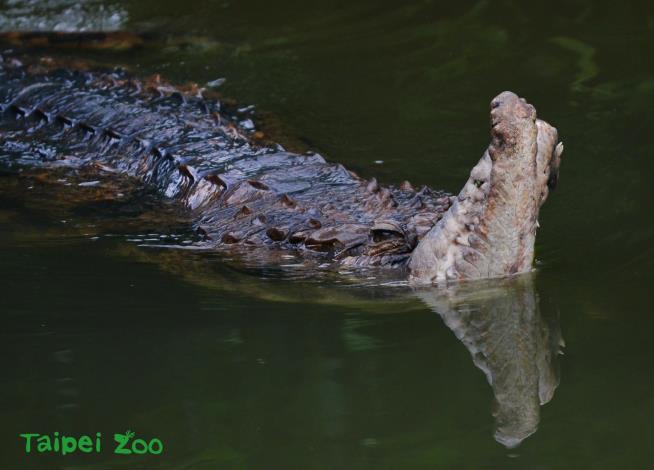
x: 238, y: 366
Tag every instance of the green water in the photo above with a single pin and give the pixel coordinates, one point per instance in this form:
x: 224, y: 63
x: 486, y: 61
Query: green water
x: 234, y: 367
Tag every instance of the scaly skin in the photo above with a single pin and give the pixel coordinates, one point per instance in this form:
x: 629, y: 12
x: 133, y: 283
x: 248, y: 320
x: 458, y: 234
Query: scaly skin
x: 490, y: 229
x: 242, y: 190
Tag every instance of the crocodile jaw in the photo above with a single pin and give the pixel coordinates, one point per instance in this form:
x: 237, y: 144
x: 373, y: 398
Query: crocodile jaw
x: 490, y: 229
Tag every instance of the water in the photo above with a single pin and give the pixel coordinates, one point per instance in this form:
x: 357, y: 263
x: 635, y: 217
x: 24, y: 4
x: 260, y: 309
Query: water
x: 234, y: 366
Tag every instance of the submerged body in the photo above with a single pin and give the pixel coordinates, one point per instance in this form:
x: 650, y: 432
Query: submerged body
x: 241, y: 190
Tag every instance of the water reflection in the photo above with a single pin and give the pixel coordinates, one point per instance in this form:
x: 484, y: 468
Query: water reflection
x: 500, y: 322
x: 516, y: 347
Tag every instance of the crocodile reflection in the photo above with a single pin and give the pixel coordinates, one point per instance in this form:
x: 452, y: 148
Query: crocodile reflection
x: 516, y: 347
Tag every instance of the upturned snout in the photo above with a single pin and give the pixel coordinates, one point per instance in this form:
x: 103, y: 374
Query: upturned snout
x: 490, y: 229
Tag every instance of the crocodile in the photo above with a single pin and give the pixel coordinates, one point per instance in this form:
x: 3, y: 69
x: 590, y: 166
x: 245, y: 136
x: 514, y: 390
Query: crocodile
x: 243, y: 190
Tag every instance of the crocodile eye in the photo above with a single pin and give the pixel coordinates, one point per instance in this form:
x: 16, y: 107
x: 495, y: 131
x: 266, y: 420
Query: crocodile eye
x: 386, y: 230
x: 382, y: 235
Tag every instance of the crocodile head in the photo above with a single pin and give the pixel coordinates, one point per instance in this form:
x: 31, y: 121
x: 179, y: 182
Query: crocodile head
x: 490, y: 229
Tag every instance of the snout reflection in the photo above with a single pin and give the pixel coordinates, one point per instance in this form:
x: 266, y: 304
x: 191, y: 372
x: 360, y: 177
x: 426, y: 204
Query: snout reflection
x: 516, y: 346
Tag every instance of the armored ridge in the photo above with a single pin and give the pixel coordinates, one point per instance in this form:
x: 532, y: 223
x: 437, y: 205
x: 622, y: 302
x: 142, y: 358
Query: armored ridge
x: 239, y: 189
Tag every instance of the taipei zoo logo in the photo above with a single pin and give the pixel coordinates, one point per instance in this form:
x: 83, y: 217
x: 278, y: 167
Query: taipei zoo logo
x: 122, y: 444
